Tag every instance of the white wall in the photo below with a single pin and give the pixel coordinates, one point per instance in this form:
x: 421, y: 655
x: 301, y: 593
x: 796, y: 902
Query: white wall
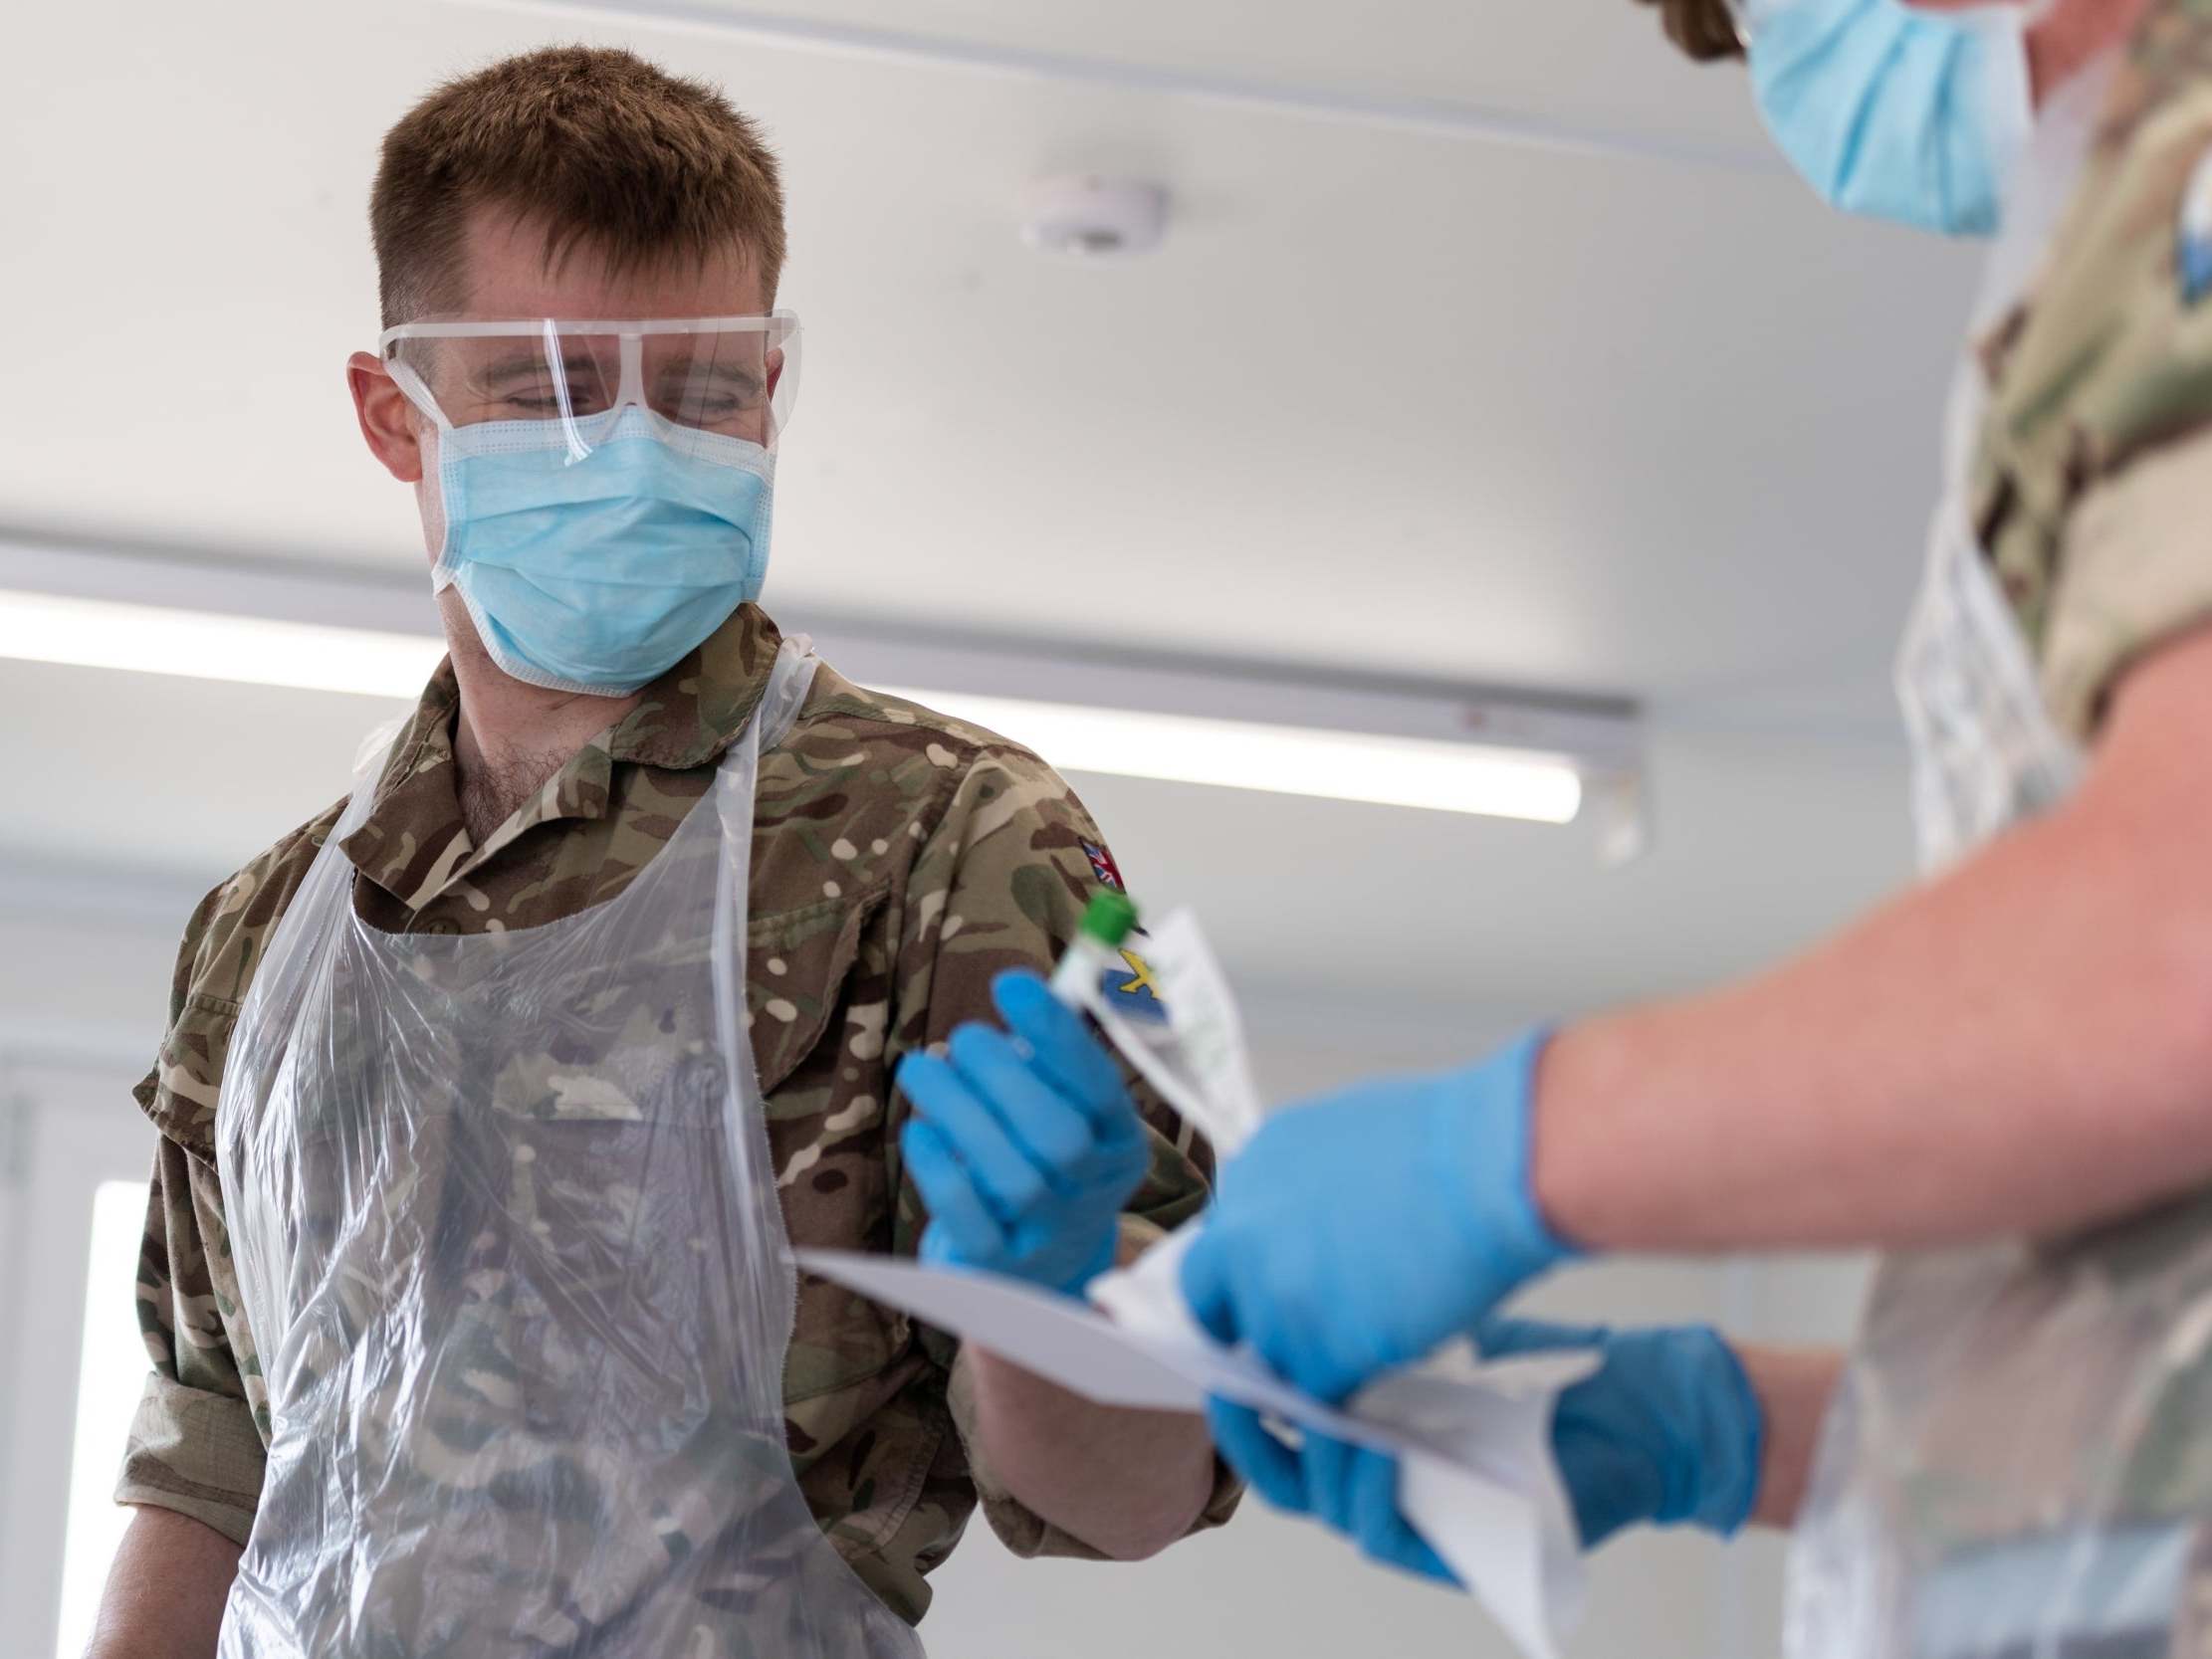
x: 84, y: 989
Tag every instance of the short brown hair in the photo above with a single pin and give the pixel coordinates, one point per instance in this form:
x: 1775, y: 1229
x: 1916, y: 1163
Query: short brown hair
x: 604, y: 147
x: 1706, y: 28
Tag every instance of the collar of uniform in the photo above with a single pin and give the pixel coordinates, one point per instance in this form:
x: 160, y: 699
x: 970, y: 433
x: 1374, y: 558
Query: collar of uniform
x: 414, y: 843
x: 695, y: 710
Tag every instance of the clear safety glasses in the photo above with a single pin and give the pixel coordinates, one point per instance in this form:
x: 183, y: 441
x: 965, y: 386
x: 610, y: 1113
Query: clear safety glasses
x: 714, y: 376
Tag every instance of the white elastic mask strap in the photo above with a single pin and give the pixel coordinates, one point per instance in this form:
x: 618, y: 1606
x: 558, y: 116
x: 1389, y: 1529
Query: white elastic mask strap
x: 433, y: 469
x: 2012, y: 95
x: 2043, y: 185
x: 407, y: 380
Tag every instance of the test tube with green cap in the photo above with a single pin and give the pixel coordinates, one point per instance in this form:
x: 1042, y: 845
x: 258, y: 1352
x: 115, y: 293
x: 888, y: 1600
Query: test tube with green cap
x: 1107, y: 922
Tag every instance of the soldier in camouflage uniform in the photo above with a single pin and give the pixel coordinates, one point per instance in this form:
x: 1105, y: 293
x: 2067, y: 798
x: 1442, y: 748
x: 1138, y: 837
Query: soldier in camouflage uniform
x: 1999, y: 1079
x: 2028, y: 1426
x: 899, y: 862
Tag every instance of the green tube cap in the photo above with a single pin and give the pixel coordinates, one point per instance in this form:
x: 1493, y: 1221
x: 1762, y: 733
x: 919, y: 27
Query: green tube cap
x: 1111, y: 919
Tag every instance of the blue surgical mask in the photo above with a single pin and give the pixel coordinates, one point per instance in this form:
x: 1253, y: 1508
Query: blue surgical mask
x: 1902, y: 114
x: 595, y: 556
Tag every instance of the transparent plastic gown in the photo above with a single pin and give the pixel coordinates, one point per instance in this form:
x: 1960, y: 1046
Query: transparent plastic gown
x: 505, y: 1225
x: 2019, y: 1462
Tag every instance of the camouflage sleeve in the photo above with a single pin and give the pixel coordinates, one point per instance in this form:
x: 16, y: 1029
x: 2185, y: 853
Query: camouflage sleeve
x: 2095, y: 471
x: 193, y: 1446
x: 1002, y: 882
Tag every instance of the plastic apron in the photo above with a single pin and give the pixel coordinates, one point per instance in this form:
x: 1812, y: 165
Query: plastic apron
x: 504, y: 1227
x: 2019, y: 1462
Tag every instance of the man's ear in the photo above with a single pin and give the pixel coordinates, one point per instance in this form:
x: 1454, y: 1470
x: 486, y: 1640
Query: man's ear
x: 387, y: 417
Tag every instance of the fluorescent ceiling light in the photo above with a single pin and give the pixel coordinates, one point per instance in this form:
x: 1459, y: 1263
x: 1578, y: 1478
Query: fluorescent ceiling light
x: 201, y: 645
x: 1242, y: 754
x: 1285, y: 760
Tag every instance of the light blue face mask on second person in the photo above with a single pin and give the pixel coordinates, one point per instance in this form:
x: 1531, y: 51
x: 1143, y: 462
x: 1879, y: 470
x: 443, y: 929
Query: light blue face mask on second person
x: 599, y: 571
x: 1911, y: 115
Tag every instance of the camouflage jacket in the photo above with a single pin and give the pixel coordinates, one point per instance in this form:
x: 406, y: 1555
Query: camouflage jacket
x: 2092, y: 477
x: 900, y: 861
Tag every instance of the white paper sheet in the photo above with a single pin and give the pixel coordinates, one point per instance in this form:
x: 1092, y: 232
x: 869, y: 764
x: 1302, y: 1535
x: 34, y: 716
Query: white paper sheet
x: 1061, y: 1341
x: 1477, y: 1476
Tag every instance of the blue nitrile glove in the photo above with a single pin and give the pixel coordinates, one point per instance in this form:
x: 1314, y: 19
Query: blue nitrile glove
x: 1669, y: 1431
x: 1666, y: 1431
x: 1025, y: 1147
x: 1348, y: 1487
x: 1356, y: 1234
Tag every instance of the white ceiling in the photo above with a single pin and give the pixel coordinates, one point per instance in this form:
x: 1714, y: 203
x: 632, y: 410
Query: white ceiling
x: 1393, y: 396
x: 1486, y: 58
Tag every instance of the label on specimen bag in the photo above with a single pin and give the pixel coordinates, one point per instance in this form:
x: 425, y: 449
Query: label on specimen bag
x: 1193, y: 1050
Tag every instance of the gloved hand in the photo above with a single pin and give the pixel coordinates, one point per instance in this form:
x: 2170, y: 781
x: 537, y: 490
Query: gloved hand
x: 1356, y: 1234
x: 1669, y: 1430
x: 1666, y: 1431
x: 1025, y: 1147
x: 1348, y: 1487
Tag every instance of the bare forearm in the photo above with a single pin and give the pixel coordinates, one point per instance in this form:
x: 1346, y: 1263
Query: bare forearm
x: 1127, y: 1483
x: 165, y: 1592
x: 2021, y: 1046
x: 1795, y: 1386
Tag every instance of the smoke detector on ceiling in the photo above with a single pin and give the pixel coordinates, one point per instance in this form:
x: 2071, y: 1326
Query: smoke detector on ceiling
x: 1089, y: 217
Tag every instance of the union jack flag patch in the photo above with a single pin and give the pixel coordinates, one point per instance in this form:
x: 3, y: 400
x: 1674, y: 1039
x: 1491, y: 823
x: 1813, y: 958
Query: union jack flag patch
x: 1103, y: 866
